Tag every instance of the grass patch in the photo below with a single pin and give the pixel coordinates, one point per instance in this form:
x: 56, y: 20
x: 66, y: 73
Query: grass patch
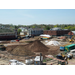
x: 47, y: 59
x: 55, y: 56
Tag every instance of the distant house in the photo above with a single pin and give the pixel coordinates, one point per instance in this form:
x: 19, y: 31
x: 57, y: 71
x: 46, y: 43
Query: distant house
x: 34, y: 31
x: 6, y: 34
x: 56, y: 31
x: 31, y: 31
x: 56, y: 28
x: 71, y: 33
x: 24, y: 29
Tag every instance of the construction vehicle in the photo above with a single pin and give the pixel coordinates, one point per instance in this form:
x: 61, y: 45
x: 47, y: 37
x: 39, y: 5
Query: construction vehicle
x: 71, y: 53
x: 19, y: 37
x: 60, y: 59
x: 61, y: 56
x: 72, y: 39
x: 2, y: 47
x: 15, y: 62
x: 62, y: 47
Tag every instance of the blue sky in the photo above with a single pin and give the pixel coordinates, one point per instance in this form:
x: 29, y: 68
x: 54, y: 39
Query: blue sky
x: 37, y: 16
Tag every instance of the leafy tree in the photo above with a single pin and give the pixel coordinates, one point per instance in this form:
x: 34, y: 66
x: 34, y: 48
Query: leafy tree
x: 33, y: 26
x: 47, y: 28
x: 19, y: 30
x: 56, y: 25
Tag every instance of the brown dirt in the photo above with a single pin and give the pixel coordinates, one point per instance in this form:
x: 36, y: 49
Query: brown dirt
x: 9, y: 48
x: 4, y: 42
x: 54, y: 50
x: 32, y: 49
x: 29, y: 49
x: 20, y: 50
x: 37, y: 46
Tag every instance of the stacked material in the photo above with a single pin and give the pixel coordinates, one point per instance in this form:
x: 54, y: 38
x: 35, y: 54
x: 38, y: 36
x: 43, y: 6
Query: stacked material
x: 54, y: 43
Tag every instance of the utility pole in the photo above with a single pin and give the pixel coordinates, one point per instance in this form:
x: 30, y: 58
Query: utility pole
x: 40, y: 58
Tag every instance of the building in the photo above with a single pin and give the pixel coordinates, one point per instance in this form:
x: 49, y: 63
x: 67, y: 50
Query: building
x: 24, y: 29
x: 6, y: 34
x: 23, y: 33
x: 71, y: 33
x: 34, y: 31
x: 56, y: 32
x: 30, y: 31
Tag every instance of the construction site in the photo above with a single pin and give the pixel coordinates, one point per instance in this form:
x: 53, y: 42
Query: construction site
x: 37, y: 51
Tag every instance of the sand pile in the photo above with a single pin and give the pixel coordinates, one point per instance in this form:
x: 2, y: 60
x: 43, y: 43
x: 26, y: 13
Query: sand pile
x: 28, y: 50
x: 54, y: 43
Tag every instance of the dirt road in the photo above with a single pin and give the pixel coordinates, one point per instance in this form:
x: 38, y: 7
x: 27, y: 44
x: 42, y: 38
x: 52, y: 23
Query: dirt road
x: 4, y: 61
x: 71, y: 62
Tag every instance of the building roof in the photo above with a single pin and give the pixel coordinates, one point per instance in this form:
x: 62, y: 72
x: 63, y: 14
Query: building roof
x: 70, y: 45
x: 65, y: 29
x: 23, y: 28
x: 6, y: 30
x: 73, y: 32
x: 56, y: 28
x: 36, y: 28
x: 8, y: 33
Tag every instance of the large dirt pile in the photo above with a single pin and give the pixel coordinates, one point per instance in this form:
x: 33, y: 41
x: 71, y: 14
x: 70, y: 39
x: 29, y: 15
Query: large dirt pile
x: 37, y: 46
x: 54, y: 50
x: 10, y: 48
x: 19, y: 50
x: 29, y: 49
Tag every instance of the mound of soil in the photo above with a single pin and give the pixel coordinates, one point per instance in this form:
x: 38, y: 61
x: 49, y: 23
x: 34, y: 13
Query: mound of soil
x: 29, y: 49
x: 10, y: 48
x: 37, y: 46
x: 20, y: 51
x: 54, y: 50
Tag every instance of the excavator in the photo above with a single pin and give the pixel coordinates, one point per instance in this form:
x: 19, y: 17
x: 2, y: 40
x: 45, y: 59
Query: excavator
x: 72, y: 39
x: 61, y: 58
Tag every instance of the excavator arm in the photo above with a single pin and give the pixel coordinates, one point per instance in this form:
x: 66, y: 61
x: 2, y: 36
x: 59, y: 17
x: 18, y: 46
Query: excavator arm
x: 72, y: 39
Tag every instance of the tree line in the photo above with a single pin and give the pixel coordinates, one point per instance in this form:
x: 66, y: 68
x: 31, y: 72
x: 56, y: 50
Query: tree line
x: 44, y: 26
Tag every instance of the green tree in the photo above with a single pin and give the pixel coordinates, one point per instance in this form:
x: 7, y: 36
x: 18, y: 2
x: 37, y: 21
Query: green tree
x: 19, y: 30
x: 47, y: 28
x: 16, y: 27
x: 33, y: 26
x: 56, y: 25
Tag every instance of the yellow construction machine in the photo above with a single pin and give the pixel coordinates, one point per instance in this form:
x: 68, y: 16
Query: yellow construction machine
x: 72, y: 39
x: 2, y: 47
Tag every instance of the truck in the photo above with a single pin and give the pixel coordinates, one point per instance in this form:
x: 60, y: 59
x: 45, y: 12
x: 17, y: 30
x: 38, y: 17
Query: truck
x: 15, y: 62
x: 71, y: 53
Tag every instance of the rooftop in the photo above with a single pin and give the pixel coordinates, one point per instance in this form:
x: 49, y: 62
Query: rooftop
x: 57, y: 28
x: 73, y: 32
x: 5, y: 30
x: 36, y: 28
x: 70, y: 45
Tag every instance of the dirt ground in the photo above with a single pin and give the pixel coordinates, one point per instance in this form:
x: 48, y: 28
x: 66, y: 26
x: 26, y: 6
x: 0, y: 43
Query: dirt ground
x: 4, y: 60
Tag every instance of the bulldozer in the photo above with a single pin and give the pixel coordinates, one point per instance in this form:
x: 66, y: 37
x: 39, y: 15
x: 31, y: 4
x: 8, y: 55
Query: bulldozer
x: 19, y: 37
